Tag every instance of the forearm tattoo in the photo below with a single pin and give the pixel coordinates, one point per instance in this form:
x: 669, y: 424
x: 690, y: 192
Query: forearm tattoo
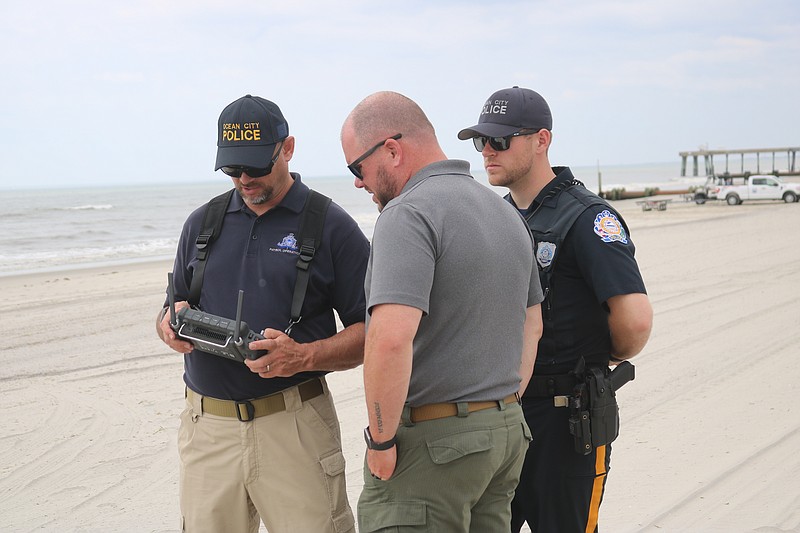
x: 378, y: 417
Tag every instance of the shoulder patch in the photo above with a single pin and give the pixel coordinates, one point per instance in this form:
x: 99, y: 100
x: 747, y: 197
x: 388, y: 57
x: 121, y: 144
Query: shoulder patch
x: 608, y: 227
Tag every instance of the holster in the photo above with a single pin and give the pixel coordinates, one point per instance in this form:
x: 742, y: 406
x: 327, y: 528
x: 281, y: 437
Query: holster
x: 594, y: 413
x: 603, y: 408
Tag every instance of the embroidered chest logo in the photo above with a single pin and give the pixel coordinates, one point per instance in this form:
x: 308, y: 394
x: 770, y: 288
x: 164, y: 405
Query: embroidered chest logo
x: 288, y: 243
x: 545, y: 252
x: 608, y: 227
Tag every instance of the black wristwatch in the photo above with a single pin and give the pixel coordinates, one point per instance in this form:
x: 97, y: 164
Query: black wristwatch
x: 380, y: 446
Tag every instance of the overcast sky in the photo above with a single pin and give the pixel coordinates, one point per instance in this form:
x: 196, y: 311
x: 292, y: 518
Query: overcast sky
x: 105, y: 92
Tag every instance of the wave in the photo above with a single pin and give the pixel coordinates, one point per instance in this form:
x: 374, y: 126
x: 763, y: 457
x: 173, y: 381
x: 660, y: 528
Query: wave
x: 55, y: 238
x: 89, y: 207
x: 43, y: 259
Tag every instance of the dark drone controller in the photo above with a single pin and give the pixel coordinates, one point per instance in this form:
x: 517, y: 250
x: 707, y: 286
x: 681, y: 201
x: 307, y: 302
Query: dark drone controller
x: 214, y: 334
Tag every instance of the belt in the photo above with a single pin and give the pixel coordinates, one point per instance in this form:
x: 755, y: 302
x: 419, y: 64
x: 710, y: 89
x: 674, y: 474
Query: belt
x: 549, y: 386
x: 434, y: 411
x: 246, y: 410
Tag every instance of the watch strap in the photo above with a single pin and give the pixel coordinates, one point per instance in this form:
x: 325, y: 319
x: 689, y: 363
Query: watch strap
x: 379, y: 446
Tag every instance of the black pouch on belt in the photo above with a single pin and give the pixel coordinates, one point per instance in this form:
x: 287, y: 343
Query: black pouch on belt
x: 579, y: 426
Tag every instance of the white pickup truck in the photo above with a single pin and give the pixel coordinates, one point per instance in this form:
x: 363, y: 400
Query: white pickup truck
x: 759, y: 187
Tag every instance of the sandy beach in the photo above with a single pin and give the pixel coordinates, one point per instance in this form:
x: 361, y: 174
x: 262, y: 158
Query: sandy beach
x: 89, y: 397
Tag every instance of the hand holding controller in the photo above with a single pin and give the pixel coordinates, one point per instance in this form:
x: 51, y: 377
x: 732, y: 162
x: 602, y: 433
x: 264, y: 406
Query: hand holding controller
x: 245, y: 338
x: 214, y: 334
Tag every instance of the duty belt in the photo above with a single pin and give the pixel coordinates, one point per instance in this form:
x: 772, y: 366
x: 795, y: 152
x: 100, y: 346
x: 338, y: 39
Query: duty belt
x: 246, y: 410
x: 434, y: 411
x: 549, y: 386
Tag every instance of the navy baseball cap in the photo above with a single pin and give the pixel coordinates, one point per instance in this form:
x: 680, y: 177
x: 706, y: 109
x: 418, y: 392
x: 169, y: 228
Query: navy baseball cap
x: 248, y: 130
x: 508, y: 111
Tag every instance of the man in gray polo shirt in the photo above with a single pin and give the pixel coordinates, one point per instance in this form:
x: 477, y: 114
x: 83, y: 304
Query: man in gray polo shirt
x: 451, y: 340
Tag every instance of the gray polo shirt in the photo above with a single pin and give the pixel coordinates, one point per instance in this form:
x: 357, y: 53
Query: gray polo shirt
x: 456, y: 250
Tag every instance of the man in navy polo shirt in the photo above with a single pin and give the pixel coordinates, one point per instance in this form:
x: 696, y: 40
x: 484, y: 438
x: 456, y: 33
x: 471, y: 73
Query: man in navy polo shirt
x: 284, y: 464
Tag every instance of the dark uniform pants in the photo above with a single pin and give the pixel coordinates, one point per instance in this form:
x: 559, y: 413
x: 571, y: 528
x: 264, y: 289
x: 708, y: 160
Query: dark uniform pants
x: 560, y: 491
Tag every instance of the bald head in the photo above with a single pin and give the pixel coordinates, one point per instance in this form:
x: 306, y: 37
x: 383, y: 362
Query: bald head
x: 386, y: 113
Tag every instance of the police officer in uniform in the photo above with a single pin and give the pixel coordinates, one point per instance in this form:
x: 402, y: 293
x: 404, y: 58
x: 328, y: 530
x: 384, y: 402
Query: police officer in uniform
x: 596, y: 311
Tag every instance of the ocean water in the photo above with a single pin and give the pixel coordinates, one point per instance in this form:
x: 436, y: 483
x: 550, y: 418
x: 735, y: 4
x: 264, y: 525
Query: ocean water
x: 56, y: 229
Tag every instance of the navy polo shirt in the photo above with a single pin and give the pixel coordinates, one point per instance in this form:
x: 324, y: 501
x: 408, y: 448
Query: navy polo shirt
x: 588, y: 271
x: 258, y: 254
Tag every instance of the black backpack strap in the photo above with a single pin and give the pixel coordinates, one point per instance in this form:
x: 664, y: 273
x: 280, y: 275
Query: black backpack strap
x: 212, y: 224
x: 309, y: 237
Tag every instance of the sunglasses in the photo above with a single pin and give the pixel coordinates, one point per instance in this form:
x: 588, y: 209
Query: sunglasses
x: 355, y: 166
x: 236, y: 171
x: 499, y: 144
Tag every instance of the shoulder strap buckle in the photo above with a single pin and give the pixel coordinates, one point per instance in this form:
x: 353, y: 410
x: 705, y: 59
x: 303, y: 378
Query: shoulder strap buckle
x: 307, y: 252
x: 202, y: 240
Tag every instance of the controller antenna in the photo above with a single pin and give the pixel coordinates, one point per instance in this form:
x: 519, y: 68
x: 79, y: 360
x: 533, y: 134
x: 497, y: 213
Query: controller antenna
x: 173, y: 319
x: 238, y: 325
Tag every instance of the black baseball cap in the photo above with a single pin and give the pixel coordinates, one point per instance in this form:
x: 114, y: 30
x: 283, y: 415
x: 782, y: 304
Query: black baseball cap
x: 247, y: 132
x: 508, y: 111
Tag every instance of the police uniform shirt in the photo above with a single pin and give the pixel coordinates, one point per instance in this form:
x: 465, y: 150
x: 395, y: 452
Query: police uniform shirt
x: 596, y: 262
x: 258, y: 254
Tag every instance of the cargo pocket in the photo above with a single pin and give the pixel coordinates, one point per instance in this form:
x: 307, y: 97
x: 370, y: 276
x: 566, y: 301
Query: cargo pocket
x: 526, y: 432
x: 334, y: 468
x: 389, y: 516
x: 446, y: 449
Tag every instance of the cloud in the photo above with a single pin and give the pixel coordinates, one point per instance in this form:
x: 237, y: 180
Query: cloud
x: 120, y: 77
x: 139, y: 85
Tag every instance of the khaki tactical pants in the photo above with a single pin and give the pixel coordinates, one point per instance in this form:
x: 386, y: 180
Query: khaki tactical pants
x: 286, y: 469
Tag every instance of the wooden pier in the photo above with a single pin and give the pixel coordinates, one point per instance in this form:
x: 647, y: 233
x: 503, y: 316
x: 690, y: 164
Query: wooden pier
x: 710, y: 169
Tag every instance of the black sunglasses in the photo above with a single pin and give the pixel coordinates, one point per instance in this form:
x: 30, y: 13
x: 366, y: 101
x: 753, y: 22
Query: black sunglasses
x: 236, y: 171
x: 498, y: 143
x: 355, y: 166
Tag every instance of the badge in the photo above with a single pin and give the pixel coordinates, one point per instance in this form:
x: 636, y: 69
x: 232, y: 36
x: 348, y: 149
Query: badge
x: 608, y: 227
x: 545, y: 252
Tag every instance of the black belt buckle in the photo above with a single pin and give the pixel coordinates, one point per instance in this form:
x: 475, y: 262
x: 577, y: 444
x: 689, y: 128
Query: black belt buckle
x: 249, y: 408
